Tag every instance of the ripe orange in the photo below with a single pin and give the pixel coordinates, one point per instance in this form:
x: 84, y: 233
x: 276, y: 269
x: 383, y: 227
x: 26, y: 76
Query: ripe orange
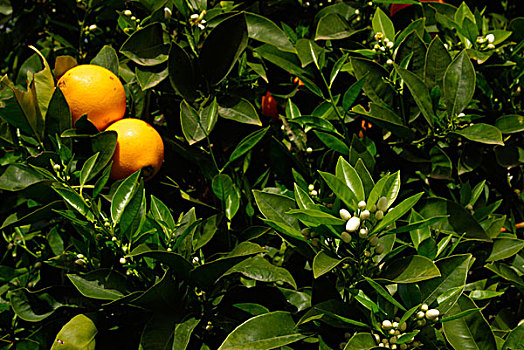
x: 95, y: 91
x: 269, y: 106
x: 138, y: 146
x: 397, y: 7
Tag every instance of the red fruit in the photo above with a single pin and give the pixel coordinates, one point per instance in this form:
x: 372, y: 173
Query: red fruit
x: 397, y: 7
x: 269, y: 106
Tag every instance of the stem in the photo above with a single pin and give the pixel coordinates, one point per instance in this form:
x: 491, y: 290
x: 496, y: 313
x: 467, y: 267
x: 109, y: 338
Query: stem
x: 332, y: 101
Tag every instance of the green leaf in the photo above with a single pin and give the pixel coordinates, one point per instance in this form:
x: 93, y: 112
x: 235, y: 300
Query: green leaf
x: 384, y: 293
x: 161, y: 213
x: 361, y: 341
x: 348, y: 174
x: 72, y: 198
x: 44, y: 84
x: 285, y: 60
x: 514, y: 338
x: 102, y: 180
x: 419, y: 92
x: 77, y: 334
x: 183, y: 333
x: 18, y: 177
x: 303, y: 199
x: 32, y: 307
x: 123, y: 195
x: 437, y: 60
x: 87, y: 169
x: 351, y: 94
x: 222, y: 186
x: 375, y: 86
x: 238, y: 109
x: 308, y: 51
x: 454, y: 272
x: 232, y: 203
x: 181, y: 73
x: 323, y: 263
x: 107, y: 58
x: 441, y: 166
x: 511, y: 123
x: 315, y: 217
x: 259, y: 269
x: 397, y: 212
x: 341, y: 190
x: 504, y: 248
x: 102, y: 284
x: 149, y: 77
x: 471, y: 331
x: 58, y: 118
x: 247, y: 144
x: 412, y: 51
x: 332, y: 27
x: 263, y: 332
x: 459, y: 84
x: 134, y: 214
x: 103, y: 143
x: 382, y: 24
x: 191, y: 124
x: 273, y: 206
x: 409, y: 269
x: 176, y: 262
x: 483, y: 133
x: 337, y: 67
x: 505, y: 271
x: 146, y: 46
x: 262, y: 29
x: 222, y: 48
x: 332, y: 142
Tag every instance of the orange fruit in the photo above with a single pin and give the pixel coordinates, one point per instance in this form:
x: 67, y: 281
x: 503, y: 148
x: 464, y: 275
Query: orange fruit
x: 269, y: 106
x: 397, y: 7
x: 138, y: 146
x: 95, y: 91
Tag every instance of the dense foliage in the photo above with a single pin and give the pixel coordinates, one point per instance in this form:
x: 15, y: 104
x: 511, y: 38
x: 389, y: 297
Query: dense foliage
x: 337, y: 175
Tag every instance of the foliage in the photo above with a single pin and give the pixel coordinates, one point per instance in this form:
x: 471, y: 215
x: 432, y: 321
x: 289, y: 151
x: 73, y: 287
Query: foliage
x: 334, y: 177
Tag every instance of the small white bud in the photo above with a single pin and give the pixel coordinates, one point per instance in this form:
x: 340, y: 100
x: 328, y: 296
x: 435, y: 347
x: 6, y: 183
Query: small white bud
x: 122, y: 261
x: 382, y: 48
x: 346, y: 237
x: 127, y: 12
x: 309, y: 150
x: 386, y: 325
x: 194, y: 16
x: 311, y: 187
x: 376, y: 47
x: 432, y: 314
x: 362, y: 205
x: 382, y: 203
x: 424, y: 307
x: 391, y: 331
x: 379, y: 35
x: 93, y: 27
x: 381, y: 345
x: 133, y: 18
x: 114, y: 239
x: 377, y: 338
x: 167, y: 13
x: 395, y: 324
x: 394, y: 347
x: 80, y: 256
x: 379, y: 215
x: 490, y: 46
x: 363, y: 232
x: 365, y: 214
x: 313, y: 193
x: 370, y: 3
x: 389, y: 61
x: 390, y: 45
x: 357, y: 12
x: 379, y: 249
x: 386, y: 40
x: 490, y: 38
x: 344, y: 214
x: 421, y: 315
x: 446, y: 46
x: 353, y: 224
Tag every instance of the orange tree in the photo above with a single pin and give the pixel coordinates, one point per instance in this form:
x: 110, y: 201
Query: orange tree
x: 332, y: 177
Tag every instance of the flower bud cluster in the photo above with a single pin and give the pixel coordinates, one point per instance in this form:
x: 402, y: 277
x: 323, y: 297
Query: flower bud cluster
x: 312, y: 191
x: 356, y: 223
x: 486, y: 42
x: 392, y: 331
x: 198, y: 20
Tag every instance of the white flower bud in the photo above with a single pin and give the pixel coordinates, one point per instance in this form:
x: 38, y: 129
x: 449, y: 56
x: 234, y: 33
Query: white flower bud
x: 346, y: 237
x: 80, y: 256
x: 394, y: 347
x: 377, y: 338
x: 390, y: 45
x: 490, y: 46
x: 353, y: 224
x: 379, y: 215
x: 357, y: 12
x: 114, y: 239
x: 421, y: 315
x: 432, y: 314
x: 382, y: 203
x: 379, y: 36
x: 490, y: 38
x: 314, y: 193
x: 393, y: 340
x: 127, y: 12
x: 93, y: 27
x: 365, y: 214
x: 309, y: 150
x: 167, y: 13
x: 391, y: 331
x: 395, y: 324
x: 122, y: 261
x: 376, y: 47
x: 194, y: 16
x: 373, y: 240
x: 373, y: 208
x: 344, y: 214
x: 133, y: 18
x: 311, y: 187
x: 424, y: 307
x: 201, y: 26
x: 389, y: 62
x: 386, y: 325
x: 362, y: 205
x: 381, y: 345
x: 363, y: 232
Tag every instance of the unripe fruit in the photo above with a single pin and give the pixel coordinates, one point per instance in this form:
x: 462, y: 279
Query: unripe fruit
x: 346, y: 237
x: 344, y: 214
x: 421, y: 323
x: 353, y: 224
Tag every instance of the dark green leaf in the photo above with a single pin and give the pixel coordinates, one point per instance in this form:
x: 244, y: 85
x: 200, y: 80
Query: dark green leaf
x: 315, y: 217
x: 262, y: 29
x: 375, y: 86
x: 419, y: 92
x: 263, y: 332
x: 341, y: 190
x: 222, y: 186
x: 483, y: 133
x: 149, y: 77
x: 123, y: 195
x: 247, y: 143
x: 72, y: 198
x: 511, y: 123
x: 409, y: 269
x: 105, y: 144
x: 323, y: 263
x: 459, y: 84
x: 146, y: 46
x: 504, y: 248
x: 87, y: 169
x: 332, y: 27
x: 223, y: 47
x: 191, y: 124
x: 351, y: 94
x: 58, y: 118
x: 346, y: 173
x: 333, y: 142
x: 260, y: 269
x: 514, y: 338
x: 102, y: 284
x: 18, y: 177
x: 107, y: 58
x: 273, y: 207
x: 183, y: 333
x: 238, y: 109
x: 32, y: 307
x: 384, y: 293
x: 361, y: 341
x: 181, y: 73
x: 437, y: 60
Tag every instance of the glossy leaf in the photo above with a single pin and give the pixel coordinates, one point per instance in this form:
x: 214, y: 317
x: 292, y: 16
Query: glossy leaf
x: 361, y: 341
x: 259, y: 269
x: 238, y: 109
x: 324, y: 263
x: 263, y: 332
x: 333, y: 142
x: 58, y: 118
x: 483, y: 133
x: 247, y: 143
x: 384, y: 293
x: 32, y: 307
x: 273, y: 206
x: 459, y: 84
x: 222, y: 186
x: 348, y: 174
x: 382, y: 24
x: 341, y: 190
x: 222, y: 48
x: 183, y: 332
x: 149, y: 77
x: 123, y: 195
x: 351, y: 94
x: 504, y: 248
x: 514, y: 338
x: 375, y: 87
x: 262, y: 29
x: 72, y: 198
x: 332, y: 27
x: 77, y: 334
x: 419, y: 92
x: 102, y: 284
x: 103, y: 143
x: 44, y: 84
x: 181, y: 72
x: 511, y: 123
x: 409, y: 269
x: 107, y: 58
x: 315, y: 217
x: 18, y: 177
x: 87, y: 169
x: 146, y: 46
x: 437, y: 60
x: 191, y: 124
